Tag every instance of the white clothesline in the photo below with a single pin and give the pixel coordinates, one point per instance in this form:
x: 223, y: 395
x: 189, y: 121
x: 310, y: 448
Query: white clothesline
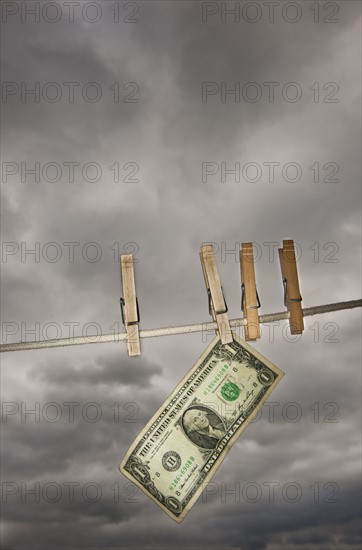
x: 168, y: 331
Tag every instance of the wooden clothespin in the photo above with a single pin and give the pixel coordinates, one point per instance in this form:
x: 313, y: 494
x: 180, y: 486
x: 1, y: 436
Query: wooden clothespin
x: 249, y: 295
x: 129, y: 305
x: 217, y: 304
x: 292, y: 296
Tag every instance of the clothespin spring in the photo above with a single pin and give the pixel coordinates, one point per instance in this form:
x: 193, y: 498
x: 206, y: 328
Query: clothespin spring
x: 285, y: 284
x: 257, y: 306
x: 221, y: 311
x: 122, y: 304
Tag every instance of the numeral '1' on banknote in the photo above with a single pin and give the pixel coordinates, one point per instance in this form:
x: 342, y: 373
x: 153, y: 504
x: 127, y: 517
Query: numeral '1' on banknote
x: 185, y: 442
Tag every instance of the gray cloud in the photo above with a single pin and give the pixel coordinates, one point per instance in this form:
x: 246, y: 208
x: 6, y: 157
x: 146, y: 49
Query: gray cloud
x: 108, y: 370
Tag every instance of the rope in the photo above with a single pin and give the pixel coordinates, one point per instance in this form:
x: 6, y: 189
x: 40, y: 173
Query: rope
x: 167, y: 331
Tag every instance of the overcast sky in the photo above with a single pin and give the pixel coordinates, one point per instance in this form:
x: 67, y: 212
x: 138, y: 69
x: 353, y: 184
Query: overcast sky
x: 136, y: 98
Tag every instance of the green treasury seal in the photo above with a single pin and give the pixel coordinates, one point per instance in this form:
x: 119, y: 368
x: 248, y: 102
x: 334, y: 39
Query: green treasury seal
x: 230, y: 391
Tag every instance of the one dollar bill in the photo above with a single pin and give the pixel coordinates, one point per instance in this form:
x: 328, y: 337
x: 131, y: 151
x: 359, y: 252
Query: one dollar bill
x: 184, y: 443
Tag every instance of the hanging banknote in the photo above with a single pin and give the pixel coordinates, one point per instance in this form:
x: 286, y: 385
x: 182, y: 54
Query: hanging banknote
x: 182, y: 446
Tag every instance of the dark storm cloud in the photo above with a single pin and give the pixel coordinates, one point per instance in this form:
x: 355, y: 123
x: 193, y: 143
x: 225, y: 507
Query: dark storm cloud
x: 168, y: 215
x: 279, y: 518
x: 54, y: 56
x: 108, y: 370
x: 81, y: 419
